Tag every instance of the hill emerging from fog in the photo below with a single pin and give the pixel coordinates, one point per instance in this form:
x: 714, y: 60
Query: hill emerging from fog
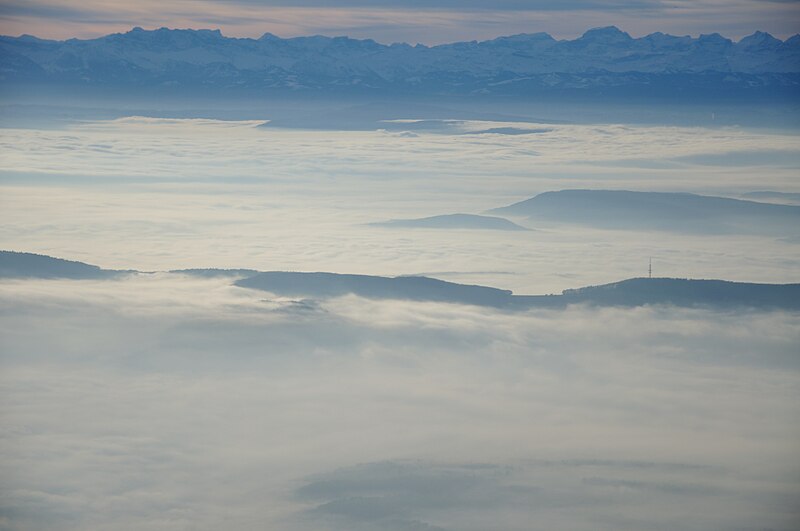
x: 632, y: 292
x: 718, y: 294
x: 453, y: 221
x: 679, y: 212
x: 675, y: 292
x: 29, y: 265
x: 324, y: 285
x: 602, y: 62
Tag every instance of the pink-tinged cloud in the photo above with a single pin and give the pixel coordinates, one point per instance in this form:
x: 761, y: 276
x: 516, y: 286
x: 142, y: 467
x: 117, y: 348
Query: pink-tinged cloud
x: 390, y: 22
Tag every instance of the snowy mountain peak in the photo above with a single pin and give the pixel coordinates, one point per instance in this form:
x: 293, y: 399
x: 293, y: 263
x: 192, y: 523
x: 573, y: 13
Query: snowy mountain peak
x: 713, y: 38
x: 163, y: 32
x: 610, y: 34
x: 603, y: 59
x: 760, y: 40
x: 525, y: 37
x: 29, y: 38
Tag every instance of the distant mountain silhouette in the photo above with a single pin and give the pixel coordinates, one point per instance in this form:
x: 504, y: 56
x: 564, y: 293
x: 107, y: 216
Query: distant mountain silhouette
x: 373, y: 287
x: 681, y: 212
x: 674, y: 292
x: 454, y: 221
x: 29, y: 265
x: 602, y: 61
x: 632, y: 292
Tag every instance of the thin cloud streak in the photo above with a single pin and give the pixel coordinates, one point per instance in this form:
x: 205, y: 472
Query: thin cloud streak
x: 394, y: 23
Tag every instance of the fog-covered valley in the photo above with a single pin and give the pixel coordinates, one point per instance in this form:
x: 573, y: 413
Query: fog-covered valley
x: 160, y: 194
x: 169, y: 399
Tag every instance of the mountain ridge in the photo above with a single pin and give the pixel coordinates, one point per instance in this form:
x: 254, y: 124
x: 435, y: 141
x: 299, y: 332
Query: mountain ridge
x: 18, y: 265
x: 702, y: 293
x: 611, y: 32
x: 453, y: 221
x: 602, y: 59
x: 670, y: 211
x: 630, y: 292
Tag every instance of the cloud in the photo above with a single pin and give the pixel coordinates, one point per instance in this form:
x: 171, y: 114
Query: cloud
x: 55, y: 9
x: 522, y: 495
x: 166, y: 401
x: 165, y: 194
x: 459, y: 5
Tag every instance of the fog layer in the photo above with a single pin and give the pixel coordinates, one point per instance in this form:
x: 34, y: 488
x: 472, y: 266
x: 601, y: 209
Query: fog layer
x: 165, y: 402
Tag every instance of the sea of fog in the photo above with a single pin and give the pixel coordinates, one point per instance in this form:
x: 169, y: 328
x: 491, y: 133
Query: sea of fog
x: 168, y: 401
x: 154, y: 194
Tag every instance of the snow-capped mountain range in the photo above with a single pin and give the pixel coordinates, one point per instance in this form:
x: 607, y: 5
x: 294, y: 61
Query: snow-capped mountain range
x: 601, y: 59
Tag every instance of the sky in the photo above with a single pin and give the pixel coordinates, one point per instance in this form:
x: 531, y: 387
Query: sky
x: 417, y: 21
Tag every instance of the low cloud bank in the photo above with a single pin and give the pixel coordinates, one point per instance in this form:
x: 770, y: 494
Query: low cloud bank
x: 168, y: 401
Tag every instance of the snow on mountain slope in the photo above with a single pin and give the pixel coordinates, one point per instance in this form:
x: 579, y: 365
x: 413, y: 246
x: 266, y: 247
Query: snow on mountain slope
x: 601, y: 57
